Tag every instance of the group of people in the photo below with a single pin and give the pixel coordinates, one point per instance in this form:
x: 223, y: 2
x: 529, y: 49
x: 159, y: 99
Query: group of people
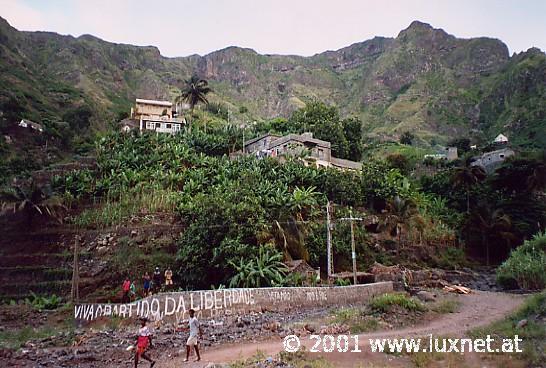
x: 151, y: 284
x: 144, y: 339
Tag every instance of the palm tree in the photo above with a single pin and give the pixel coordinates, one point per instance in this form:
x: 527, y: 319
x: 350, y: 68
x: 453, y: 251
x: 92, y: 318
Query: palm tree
x: 492, y: 223
x: 467, y: 176
x: 31, y: 199
x: 194, y: 92
x: 400, y: 212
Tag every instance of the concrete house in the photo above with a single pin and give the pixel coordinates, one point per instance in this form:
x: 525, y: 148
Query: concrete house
x: 315, y: 152
x: 154, y: 115
x: 24, y: 123
x: 491, y: 160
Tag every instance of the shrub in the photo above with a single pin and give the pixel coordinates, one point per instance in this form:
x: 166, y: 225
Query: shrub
x: 526, y: 266
x: 44, y: 302
x: 383, y: 303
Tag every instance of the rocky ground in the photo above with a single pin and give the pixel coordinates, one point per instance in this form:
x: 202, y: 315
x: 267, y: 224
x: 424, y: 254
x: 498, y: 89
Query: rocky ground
x: 107, y: 343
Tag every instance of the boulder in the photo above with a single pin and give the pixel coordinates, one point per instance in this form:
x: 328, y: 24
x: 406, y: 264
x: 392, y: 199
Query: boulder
x: 426, y: 296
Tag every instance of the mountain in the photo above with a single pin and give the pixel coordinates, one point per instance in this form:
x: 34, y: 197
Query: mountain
x: 425, y: 81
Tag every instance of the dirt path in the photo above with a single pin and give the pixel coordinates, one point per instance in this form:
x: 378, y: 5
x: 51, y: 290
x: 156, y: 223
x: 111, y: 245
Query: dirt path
x: 477, y: 309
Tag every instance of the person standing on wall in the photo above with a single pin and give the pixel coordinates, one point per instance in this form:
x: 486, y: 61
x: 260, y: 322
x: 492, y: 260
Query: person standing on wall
x: 132, y: 292
x: 126, y: 288
x: 157, y: 280
x: 168, y: 278
x: 147, y: 284
x: 195, y: 330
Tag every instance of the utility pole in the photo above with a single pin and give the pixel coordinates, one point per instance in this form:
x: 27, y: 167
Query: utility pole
x: 353, y: 247
x: 329, y: 254
x: 75, y: 293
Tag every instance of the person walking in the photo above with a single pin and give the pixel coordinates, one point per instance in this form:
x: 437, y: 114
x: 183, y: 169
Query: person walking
x: 195, y: 330
x: 144, y: 341
x: 126, y: 287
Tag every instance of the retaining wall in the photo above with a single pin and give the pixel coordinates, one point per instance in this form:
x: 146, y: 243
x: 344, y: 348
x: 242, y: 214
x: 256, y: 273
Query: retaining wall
x: 211, y: 303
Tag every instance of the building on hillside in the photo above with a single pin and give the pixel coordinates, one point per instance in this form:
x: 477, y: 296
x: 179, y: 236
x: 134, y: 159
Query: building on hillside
x: 151, y: 108
x: 491, y: 160
x: 153, y: 115
x: 314, y: 152
x: 24, y: 123
x: 501, y: 138
x: 448, y: 153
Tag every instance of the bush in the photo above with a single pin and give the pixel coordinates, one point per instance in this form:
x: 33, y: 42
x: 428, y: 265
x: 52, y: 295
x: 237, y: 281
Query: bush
x: 383, y: 303
x: 526, y: 266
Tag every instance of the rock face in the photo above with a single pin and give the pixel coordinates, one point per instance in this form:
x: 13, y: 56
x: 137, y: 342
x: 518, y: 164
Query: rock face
x: 424, y: 80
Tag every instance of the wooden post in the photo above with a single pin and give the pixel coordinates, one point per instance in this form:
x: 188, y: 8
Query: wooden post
x: 330, y: 260
x: 75, y: 293
x: 353, y: 248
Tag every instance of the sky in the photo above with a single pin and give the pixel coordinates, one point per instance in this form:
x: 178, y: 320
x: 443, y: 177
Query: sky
x: 300, y: 27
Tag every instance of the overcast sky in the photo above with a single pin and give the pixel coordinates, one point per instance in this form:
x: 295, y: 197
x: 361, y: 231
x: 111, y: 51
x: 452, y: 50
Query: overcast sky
x: 302, y: 27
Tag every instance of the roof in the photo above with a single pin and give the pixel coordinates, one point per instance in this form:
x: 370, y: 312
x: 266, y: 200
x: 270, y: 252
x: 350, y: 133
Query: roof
x: 32, y: 124
x: 340, y: 162
x: 302, y: 138
x: 154, y: 102
x: 501, y: 138
x: 254, y: 140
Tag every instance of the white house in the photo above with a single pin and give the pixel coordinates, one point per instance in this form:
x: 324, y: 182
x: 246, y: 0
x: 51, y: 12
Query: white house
x: 501, y: 138
x: 154, y: 115
x: 24, y: 123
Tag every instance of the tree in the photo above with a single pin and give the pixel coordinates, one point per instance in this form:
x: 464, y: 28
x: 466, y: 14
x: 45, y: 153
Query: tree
x: 399, y: 161
x: 352, y: 128
x: 194, y: 92
x: 31, y: 200
x: 399, y: 214
x: 492, y: 224
x: 324, y: 122
x: 466, y: 176
x: 407, y: 138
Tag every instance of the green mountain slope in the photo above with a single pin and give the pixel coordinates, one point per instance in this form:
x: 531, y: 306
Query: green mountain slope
x: 424, y: 80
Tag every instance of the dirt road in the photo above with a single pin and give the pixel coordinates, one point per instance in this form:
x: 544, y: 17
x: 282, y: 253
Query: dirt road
x: 477, y: 309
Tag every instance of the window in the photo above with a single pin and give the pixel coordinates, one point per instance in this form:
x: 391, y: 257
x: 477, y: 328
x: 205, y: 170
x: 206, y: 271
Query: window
x: 157, y: 125
x: 501, y: 156
x: 168, y: 126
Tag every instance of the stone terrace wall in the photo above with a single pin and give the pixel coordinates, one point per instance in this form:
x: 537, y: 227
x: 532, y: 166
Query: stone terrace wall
x: 210, y: 303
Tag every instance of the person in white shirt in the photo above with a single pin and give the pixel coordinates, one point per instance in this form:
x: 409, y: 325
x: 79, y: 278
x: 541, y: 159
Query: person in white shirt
x: 195, y: 330
x: 144, y: 341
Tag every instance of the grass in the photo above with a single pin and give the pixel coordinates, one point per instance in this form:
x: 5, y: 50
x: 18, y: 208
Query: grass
x: 533, y: 334
x: 129, y: 257
x: 112, y: 212
x: 356, y: 319
x: 15, y: 339
x: 383, y: 303
x: 297, y: 360
x: 446, y: 306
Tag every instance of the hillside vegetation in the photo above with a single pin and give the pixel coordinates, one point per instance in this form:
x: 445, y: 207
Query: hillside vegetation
x: 424, y: 80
